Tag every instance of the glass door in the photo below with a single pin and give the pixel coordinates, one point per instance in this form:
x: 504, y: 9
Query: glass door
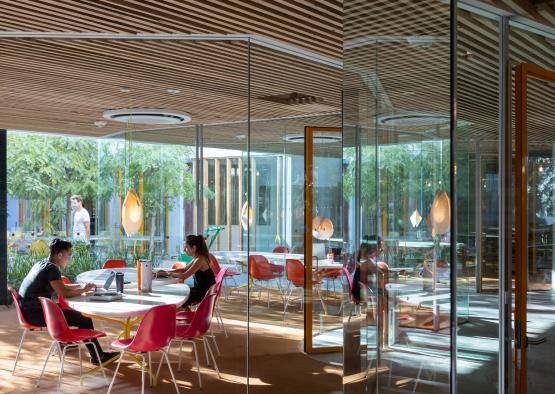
x: 534, y: 227
x: 323, y: 239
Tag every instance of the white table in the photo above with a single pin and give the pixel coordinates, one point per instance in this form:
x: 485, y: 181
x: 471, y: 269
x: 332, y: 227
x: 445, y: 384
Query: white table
x: 98, y: 277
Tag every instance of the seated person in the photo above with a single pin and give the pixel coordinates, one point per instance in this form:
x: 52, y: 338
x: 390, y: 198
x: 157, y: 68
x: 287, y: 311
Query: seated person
x: 43, y: 280
x: 367, y: 268
x: 195, y: 246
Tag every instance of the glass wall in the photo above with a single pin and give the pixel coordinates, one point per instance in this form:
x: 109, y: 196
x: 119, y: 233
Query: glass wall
x: 478, y: 211
x: 396, y: 134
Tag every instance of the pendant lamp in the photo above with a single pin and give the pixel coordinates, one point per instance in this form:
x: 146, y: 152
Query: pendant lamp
x: 440, y: 214
x: 131, y: 213
x: 322, y: 228
x: 415, y: 218
x: 246, y: 216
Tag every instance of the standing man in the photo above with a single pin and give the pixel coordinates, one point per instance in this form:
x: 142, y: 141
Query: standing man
x: 81, y: 221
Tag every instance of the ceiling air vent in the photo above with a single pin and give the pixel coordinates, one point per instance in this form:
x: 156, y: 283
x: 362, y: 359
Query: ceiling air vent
x: 318, y: 138
x: 292, y: 99
x: 147, y: 116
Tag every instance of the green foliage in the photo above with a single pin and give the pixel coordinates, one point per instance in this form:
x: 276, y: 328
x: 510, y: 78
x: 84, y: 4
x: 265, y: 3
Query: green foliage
x: 46, y: 171
x: 81, y: 261
x: 18, y: 267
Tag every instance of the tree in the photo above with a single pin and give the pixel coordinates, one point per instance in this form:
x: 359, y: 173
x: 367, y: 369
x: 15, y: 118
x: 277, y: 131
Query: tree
x: 46, y: 171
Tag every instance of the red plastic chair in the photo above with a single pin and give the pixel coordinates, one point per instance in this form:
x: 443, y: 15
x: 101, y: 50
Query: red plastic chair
x: 294, y: 272
x: 153, y: 335
x: 61, y: 333
x: 114, y: 264
x: 280, y: 249
x: 261, y: 270
x: 25, y: 325
x: 198, y: 329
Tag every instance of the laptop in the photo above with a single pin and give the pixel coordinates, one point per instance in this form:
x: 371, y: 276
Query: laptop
x: 103, y: 293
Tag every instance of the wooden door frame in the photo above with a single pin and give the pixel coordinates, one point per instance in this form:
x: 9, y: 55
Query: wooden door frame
x: 522, y: 72
x: 308, y: 186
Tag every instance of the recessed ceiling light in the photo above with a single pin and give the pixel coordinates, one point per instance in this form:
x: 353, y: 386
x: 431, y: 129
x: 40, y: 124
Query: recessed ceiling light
x: 147, y: 116
x: 317, y: 138
x: 241, y: 136
x: 413, y: 119
x: 173, y: 91
x: 124, y: 89
x: 100, y: 123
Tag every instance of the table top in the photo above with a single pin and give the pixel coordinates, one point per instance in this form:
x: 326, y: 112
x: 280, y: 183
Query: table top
x: 133, y: 303
x: 98, y: 277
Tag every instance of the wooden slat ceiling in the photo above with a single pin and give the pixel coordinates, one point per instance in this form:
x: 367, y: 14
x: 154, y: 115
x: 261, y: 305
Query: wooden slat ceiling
x: 64, y: 85
x: 395, y: 73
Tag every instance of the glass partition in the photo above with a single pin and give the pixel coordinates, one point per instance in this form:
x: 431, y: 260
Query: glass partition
x: 397, y: 123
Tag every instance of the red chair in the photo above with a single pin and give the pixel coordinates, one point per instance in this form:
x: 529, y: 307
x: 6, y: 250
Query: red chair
x: 261, y: 270
x: 70, y: 337
x: 294, y: 272
x: 198, y: 329
x: 280, y: 249
x: 25, y: 325
x: 114, y: 264
x: 153, y: 335
x: 216, y: 268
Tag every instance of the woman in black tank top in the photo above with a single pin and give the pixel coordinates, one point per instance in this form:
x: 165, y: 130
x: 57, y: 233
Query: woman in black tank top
x: 195, y: 246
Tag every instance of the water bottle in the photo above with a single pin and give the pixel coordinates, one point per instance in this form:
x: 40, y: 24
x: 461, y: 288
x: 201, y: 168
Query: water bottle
x: 119, y: 282
x: 146, y: 275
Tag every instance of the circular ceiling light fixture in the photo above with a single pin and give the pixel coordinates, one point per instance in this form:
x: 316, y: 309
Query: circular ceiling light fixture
x: 414, y: 119
x: 147, y: 116
x: 318, y: 138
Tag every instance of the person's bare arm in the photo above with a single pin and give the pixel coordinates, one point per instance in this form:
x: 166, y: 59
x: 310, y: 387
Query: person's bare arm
x: 188, y: 271
x: 68, y: 291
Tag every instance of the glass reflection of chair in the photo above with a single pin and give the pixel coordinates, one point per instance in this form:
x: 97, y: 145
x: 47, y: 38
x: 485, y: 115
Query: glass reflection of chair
x: 260, y: 270
x: 294, y: 272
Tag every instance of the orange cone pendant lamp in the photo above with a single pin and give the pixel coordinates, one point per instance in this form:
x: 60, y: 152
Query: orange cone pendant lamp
x: 131, y: 213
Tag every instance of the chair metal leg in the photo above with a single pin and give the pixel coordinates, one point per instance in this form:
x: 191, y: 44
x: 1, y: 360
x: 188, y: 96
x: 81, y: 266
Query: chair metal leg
x: 19, y: 350
x: 116, y: 372
x: 101, y: 366
x: 63, y: 352
x: 45, y: 362
x: 80, y: 364
x: 143, y: 374
x: 205, y: 352
x: 214, y: 340
x: 150, y: 368
x: 198, y: 365
x: 164, y: 354
x: 212, y: 355
x: 179, y: 357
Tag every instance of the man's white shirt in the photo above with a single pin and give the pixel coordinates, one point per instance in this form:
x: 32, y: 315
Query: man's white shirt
x: 79, y: 219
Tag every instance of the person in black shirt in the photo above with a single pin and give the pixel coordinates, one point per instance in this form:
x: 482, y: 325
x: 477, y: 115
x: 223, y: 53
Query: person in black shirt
x: 43, y: 280
x: 195, y: 246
